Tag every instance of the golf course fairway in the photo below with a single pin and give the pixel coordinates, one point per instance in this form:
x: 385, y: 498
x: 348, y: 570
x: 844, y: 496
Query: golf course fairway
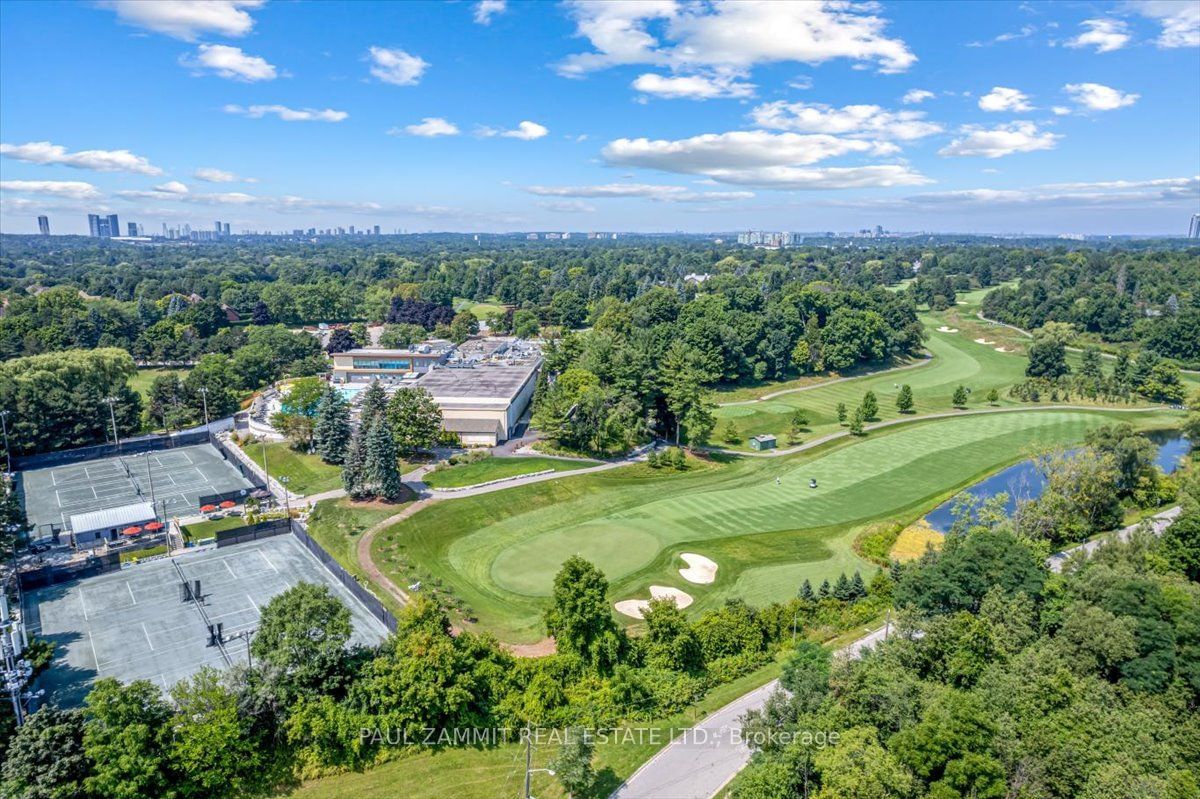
x: 757, y: 518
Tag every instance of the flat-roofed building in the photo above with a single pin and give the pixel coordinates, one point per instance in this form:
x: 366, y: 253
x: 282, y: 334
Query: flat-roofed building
x: 483, y: 403
x: 107, y: 524
x: 386, y: 365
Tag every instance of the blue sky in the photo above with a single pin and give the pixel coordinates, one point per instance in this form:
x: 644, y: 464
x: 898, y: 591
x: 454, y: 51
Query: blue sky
x: 652, y: 115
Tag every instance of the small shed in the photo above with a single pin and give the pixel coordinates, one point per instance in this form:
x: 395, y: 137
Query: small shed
x: 764, y: 441
x: 87, y: 528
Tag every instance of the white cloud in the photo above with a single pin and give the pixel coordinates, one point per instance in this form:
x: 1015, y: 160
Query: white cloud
x: 44, y: 152
x: 211, y: 175
x: 568, y: 206
x: 1105, y: 35
x: 287, y: 114
x: 914, y: 96
x: 1098, y: 97
x: 1180, y: 20
x: 760, y: 158
x: 172, y: 187
x: 230, y: 62
x: 1001, y: 98
x: 396, y: 66
x: 527, y: 131
x: 692, y: 87
x: 730, y: 35
x: 1060, y: 110
x: 486, y: 9
x: 679, y: 194
x: 1132, y: 193
x: 430, y: 127
x: 187, y: 19
x: 1017, y: 137
x: 71, y: 189
x: 853, y: 120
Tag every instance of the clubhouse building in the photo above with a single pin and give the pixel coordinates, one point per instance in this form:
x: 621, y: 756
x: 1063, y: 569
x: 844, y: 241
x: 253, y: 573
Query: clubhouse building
x: 388, y: 365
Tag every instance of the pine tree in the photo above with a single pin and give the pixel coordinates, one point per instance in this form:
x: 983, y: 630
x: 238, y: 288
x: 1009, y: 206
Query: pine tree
x: 904, y: 400
x: 858, y: 589
x: 354, y: 467
x: 841, y: 412
x: 730, y: 434
x: 332, y: 433
x: 960, y: 397
x: 870, y: 406
x: 381, y: 468
x: 806, y: 591
x: 823, y: 591
x: 261, y: 315
x: 841, y: 588
x: 374, y: 403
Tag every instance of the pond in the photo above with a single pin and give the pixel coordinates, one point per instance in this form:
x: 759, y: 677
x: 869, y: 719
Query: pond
x: 1023, y: 481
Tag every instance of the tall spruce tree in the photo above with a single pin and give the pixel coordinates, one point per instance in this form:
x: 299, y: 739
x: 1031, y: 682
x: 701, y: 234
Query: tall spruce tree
x: 382, y: 467
x: 841, y: 588
x: 904, y: 400
x: 332, y: 433
x: 858, y: 589
x: 806, y: 591
x: 354, y: 467
x: 374, y: 403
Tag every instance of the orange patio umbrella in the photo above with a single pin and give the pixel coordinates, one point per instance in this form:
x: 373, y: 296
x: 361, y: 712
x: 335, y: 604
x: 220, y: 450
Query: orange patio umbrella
x: 134, y: 530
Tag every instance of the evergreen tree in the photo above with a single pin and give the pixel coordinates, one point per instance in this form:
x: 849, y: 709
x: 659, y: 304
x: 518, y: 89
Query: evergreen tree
x: 856, y: 422
x: 870, y: 406
x: 841, y: 588
x: 261, y: 315
x: 993, y: 396
x: 332, y: 433
x: 374, y: 403
x: 841, y: 412
x: 904, y: 400
x: 354, y: 467
x: 960, y: 397
x: 1121, y: 368
x: 858, y: 589
x: 806, y: 591
x: 381, y: 468
x: 1090, y: 366
x: 823, y: 591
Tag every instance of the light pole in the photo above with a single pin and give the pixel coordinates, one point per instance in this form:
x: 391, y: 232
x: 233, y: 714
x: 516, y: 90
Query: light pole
x: 113, y: 415
x: 204, y: 399
x: 287, y: 503
x: 4, y: 426
x: 529, y: 770
x: 266, y: 471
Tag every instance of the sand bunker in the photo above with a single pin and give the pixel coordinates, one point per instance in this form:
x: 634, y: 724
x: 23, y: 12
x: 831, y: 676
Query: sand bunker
x: 944, y: 329
x: 1002, y: 349
x: 700, y: 569
x: 984, y: 341
x: 636, y: 608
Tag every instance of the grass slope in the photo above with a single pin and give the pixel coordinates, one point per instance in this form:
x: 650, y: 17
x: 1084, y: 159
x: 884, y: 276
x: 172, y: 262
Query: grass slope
x: 500, y: 551
x: 308, y: 474
x: 496, y: 468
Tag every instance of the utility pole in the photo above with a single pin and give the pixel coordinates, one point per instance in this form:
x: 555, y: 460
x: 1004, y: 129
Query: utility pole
x: 113, y: 415
x: 204, y: 399
x: 4, y: 426
x: 287, y: 503
x: 529, y: 769
x: 150, y: 474
x: 266, y: 471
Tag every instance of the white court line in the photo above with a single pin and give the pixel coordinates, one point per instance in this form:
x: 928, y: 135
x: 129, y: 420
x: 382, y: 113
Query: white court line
x: 83, y: 605
x: 231, y: 571
x: 254, y: 604
x: 268, y: 560
x: 147, y: 633
x: 131, y: 596
x: 95, y: 657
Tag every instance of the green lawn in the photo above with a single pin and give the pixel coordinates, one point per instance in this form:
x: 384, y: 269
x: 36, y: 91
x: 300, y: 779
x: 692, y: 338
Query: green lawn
x: 307, y: 474
x: 141, y: 381
x: 200, y: 530
x: 481, y: 310
x: 337, y: 524
x: 755, y: 517
x: 496, y: 468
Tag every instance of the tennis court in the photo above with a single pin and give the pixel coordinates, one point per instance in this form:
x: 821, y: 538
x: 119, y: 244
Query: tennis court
x: 134, y: 624
x: 173, y: 479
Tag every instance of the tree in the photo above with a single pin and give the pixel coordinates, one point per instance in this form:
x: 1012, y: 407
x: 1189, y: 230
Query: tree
x: 211, y: 742
x: 802, y: 357
x: 993, y: 396
x: 301, y: 641
x: 126, y: 737
x: 859, y: 768
x: 332, y: 432
x: 806, y: 591
x: 841, y: 413
x: 341, y: 340
x: 730, y: 434
x: 354, y: 467
x: 579, y: 617
x: 45, y: 759
x: 381, y: 468
x: 573, y: 764
x: 1047, y: 358
x: 1090, y: 367
x: 670, y: 641
x: 261, y: 314
x: 869, y: 406
x: 806, y: 674
x: 959, y: 400
x: 904, y: 400
x: 525, y: 324
x: 374, y: 403
x: 682, y: 374
x: 856, y: 423
x: 415, y: 420
x: 463, y: 327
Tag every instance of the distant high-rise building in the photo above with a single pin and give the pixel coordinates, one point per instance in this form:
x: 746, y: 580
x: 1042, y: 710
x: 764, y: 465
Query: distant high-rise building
x: 132, y: 227
x: 217, y: 227
x: 114, y: 226
x: 44, y: 225
x: 377, y: 230
x: 1194, y: 227
x: 762, y: 238
x: 226, y: 228
x: 94, y: 224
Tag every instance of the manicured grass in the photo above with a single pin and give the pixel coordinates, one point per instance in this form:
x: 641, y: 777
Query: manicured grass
x: 307, y: 474
x: 195, y: 532
x: 499, y: 551
x: 141, y: 381
x: 481, y: 310
x: 496, y: 468
x: 141, y: 554
x: 752, y: 391
x: 337, y: 524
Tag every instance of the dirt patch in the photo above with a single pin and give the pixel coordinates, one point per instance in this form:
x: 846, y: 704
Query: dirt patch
x: 543, y: 648
x: 699, y: 569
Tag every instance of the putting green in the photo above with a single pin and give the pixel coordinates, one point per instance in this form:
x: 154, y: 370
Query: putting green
x: 874, y: 477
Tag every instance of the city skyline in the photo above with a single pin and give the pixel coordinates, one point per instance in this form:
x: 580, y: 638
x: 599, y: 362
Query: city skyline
x: 494, y: 117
